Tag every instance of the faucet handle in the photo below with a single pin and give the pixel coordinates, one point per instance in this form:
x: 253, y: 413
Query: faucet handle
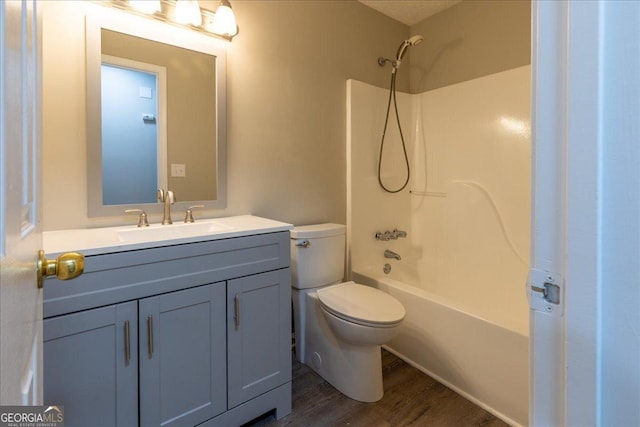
x: 399, y: 233
x: 189, y: 214
x: 383, y: 236
x: 142, y: 220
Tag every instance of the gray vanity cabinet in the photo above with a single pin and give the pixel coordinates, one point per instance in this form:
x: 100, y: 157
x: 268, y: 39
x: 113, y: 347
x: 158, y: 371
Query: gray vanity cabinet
x: 182, y: 356
x: 258, y: 334
x: 94, y: 360
x: 176, y: 335
x: 87, y: 369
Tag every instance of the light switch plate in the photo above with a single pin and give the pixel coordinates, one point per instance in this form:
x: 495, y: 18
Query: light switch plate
x: 178, y: 170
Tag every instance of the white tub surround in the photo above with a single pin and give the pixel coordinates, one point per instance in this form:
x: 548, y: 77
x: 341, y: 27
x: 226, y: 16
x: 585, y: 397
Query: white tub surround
x: 466, y: 212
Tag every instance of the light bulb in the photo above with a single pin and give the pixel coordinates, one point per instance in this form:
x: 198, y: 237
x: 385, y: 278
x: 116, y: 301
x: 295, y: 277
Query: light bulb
x: 224, y: 21
x: 146, y: 6
x: 188, y: 12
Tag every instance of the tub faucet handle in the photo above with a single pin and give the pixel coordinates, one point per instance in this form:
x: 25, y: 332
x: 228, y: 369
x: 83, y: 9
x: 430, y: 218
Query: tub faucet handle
x: 390, y: 235
x: 399, y: 233
x: 387, y: 235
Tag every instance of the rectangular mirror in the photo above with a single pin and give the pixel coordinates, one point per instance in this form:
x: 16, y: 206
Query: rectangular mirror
x: 156, y: 115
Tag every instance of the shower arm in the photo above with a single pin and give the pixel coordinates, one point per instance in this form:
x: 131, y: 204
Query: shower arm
x: 394, y: 62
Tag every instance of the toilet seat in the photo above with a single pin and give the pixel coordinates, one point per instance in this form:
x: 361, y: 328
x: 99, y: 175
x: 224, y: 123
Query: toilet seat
x: 361, y: 304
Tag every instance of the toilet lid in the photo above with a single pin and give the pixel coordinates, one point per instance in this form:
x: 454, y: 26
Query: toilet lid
x: 361, y: 304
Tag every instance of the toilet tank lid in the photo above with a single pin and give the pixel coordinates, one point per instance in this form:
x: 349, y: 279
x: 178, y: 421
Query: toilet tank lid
x: 317, y: 230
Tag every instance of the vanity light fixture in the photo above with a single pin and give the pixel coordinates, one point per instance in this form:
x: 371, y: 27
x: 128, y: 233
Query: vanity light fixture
x: 186, y: 13
x: 224, y: 21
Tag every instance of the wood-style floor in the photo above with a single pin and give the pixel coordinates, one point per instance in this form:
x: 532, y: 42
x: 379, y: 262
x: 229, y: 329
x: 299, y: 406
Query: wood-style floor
x: 411, y: 398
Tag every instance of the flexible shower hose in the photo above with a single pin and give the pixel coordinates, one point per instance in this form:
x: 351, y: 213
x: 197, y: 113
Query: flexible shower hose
x: 392, y: 94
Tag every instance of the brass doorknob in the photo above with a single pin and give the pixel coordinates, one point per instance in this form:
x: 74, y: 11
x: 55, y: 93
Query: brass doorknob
x: 66, y: 267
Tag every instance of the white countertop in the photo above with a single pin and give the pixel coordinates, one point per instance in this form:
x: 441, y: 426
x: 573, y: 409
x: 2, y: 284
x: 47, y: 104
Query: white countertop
x: 95, y: 241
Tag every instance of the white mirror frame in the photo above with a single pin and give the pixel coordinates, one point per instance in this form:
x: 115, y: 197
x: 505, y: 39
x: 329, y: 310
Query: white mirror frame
x: 126, y: 23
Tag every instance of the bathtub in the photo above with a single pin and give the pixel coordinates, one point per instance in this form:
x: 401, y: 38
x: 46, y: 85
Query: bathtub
x: 479, y: 359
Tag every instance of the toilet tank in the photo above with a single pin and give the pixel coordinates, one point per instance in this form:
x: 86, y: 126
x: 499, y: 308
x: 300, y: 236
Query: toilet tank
x: 317, y: 255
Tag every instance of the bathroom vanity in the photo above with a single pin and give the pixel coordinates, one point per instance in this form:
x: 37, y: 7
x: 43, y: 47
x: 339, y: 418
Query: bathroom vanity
x: 193, y: 328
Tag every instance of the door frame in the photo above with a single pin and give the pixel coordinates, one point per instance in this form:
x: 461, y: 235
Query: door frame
x: 585, y: 185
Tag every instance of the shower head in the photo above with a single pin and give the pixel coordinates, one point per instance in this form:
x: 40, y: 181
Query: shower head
x: 402, y: 49
x: 411, y: 41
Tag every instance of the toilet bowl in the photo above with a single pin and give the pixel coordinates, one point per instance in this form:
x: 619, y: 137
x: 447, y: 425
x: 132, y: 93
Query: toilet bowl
x: 360, y: 315
x: 339, y: 326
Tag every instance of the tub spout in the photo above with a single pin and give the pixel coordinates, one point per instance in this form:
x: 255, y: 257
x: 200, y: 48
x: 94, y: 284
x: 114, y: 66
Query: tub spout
x: 391, y: 254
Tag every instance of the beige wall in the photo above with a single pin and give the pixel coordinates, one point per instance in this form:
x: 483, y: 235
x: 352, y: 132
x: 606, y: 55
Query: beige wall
x: 471, y: 40
x: 286, y: 102
x: 287, y: 72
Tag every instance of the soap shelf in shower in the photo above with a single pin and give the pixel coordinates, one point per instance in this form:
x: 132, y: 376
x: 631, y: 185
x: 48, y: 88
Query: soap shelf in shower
x: 427, y: 193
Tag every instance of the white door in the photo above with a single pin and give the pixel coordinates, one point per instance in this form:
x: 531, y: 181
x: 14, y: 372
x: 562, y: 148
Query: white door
x: 20, y: 236
x: 585, y: 349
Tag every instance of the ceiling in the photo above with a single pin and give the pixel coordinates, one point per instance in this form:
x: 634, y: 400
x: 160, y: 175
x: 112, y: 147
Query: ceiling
x: 409, y: 12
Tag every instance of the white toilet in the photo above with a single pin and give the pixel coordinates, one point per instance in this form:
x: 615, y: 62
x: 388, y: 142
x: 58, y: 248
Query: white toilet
x: 339, y: 327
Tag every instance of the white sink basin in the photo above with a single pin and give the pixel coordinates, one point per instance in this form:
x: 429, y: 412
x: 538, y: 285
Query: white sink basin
x: 102, y: 240
x: 173, y: 231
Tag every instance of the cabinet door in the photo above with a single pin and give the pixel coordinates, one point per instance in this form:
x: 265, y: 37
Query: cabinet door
x: 91, y: 366
x: 258, y: 334
x: 182, y: 356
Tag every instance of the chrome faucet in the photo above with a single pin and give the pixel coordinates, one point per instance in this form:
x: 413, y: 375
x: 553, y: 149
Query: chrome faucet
x: 166, y: 196
x: 391, y: 254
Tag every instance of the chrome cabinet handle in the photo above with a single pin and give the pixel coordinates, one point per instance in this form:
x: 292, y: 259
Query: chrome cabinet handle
x: 150, y: 336
x: 236, y: 311
x: 127, y: 343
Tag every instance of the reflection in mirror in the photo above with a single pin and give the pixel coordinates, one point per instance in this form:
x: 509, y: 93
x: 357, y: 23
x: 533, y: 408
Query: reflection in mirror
x: 133, y: 151
x: 155, y: 115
